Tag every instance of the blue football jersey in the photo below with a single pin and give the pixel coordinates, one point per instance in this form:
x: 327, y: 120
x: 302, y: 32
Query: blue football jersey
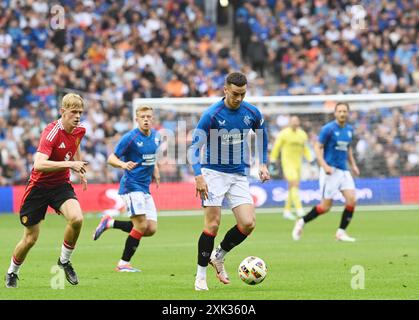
x: 336, y: 141
x: 223, y: 132
x: 137, y: 147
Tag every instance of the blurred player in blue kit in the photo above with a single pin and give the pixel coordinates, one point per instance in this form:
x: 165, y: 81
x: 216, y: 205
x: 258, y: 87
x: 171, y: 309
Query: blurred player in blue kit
x: 136, y: 154
x: 223, y: 131
x: 333, y: 150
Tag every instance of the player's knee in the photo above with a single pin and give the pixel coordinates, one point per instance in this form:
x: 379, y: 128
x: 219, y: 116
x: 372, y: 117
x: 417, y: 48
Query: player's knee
x: 351, y: 202
x: 323, y: 208
x: 212, y: 227
x: 151, y: 230
x: 76, y: 221
x: 141, y: 228
x: 30, y: 240
x: 327, y: 208
x: 248, y: 226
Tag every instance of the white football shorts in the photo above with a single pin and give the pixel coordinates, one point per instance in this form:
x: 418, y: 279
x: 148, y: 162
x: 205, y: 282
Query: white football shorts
x: 337, y: 181
x: 138, y: 203
x: 233, y: 187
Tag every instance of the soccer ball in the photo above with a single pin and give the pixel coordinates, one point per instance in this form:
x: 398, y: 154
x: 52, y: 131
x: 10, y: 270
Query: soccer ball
x: 252, y: 270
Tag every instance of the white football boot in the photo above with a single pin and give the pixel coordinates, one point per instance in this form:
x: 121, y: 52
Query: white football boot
x: 298, y: 229
x: 200, y: 284
x: 341, y: 235
x: 218, y: 265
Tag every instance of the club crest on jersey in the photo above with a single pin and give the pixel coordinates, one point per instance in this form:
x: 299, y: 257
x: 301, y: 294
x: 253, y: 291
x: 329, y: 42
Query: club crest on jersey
x: 247, y: 120
x: 222, y: 123
x: 349, y: 134
x: 156, y: 141
x: 140, y: 143
x: 68, y: 156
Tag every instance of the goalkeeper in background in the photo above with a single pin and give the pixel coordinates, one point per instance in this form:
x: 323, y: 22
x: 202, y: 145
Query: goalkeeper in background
x: 292, y: 144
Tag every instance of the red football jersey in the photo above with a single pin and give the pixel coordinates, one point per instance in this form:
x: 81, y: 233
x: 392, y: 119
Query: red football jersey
x: 59, y: 145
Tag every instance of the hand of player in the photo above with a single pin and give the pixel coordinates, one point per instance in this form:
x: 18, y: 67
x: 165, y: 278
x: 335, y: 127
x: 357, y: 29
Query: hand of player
x: 328, y: 169
x: 79, y: 166
x: 83, y: 181
x: 156, y: 178
x: 129, y: 165
x: 356, y: 170
x: 201, y: 187
x: 264, y: 173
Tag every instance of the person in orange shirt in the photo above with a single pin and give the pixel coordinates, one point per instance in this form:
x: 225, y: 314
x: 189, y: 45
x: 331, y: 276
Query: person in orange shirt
x: 176, y: 88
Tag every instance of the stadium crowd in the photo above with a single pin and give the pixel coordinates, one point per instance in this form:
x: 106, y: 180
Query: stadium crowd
x: 113, y: 52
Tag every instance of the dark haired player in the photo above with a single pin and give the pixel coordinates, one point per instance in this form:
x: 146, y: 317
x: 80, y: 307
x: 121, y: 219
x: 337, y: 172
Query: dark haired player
x: 333, y: 151
x: 223, y: 130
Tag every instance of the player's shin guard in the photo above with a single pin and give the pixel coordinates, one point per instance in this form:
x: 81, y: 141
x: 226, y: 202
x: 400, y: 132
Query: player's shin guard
x: 232, y: 238
x: 131, y: 244
x: 205, y: 247
x: 313, y: 214
x: 346, y: 216
x: 123, y: 225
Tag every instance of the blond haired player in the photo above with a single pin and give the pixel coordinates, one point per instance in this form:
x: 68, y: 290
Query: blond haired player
x: 136, y: 155
x: 49, y: 185
x: 291, y: 142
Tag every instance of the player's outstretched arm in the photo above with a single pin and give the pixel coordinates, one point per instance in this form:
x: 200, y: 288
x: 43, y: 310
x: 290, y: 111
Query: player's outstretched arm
x: 201, y: 187
x: 114, y: 161
x: 352, y: 162
x: 83, y: 179
x: 156, y: 175
x: 41, y: 163
x: 276, y: 149
x: 318, y: 149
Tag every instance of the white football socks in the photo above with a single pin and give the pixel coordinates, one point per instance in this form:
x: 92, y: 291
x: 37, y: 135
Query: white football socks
x: 201, y: 272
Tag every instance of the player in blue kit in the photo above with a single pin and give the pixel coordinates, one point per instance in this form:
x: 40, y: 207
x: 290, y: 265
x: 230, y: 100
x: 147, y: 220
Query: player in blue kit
x: 136, y: 154
x: 223, y: 132
x: 333, y: 151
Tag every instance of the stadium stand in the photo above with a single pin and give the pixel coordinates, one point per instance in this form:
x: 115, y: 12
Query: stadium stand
x: 113, y: 53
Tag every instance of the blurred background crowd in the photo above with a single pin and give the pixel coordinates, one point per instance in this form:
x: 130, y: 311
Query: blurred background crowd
x: 114, y: 51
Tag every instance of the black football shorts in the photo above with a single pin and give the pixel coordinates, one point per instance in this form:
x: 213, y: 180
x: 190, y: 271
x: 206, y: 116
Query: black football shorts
x: 37, y: 199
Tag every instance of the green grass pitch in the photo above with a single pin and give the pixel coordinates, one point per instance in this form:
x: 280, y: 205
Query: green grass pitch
x: 316, y: 267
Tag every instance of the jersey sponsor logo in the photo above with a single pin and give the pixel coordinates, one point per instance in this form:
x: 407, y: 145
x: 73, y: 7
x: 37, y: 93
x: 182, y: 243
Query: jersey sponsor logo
x: 222, y: 123
x: 247, y: 120
x: 149, y: 159
x: 231, y: 138
x: 62, y: 146
x: 342, y: 146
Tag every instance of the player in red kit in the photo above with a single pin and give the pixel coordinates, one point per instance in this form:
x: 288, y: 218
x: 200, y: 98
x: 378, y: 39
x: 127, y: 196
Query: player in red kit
x: 49, y: 185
